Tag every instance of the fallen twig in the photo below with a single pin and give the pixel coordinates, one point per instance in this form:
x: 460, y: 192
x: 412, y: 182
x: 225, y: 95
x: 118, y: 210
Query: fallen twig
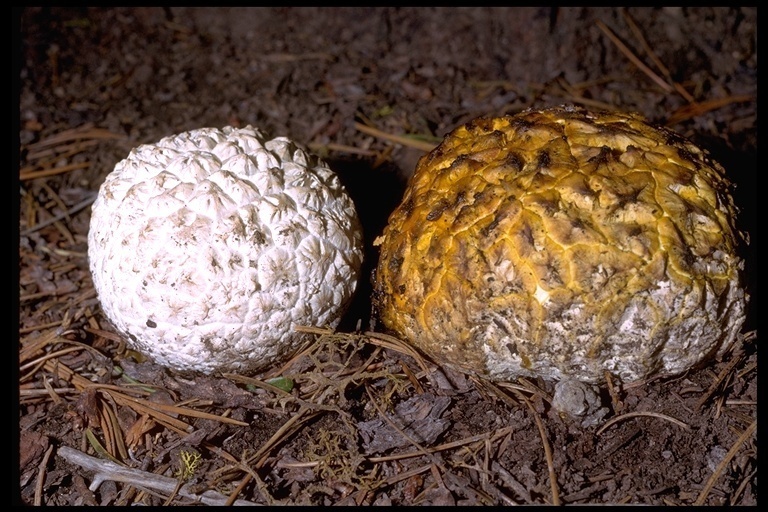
x: 76, y: 208
x: 723, y: 463
x: 547, y: 448
x: 721, y: 378
x: 633, y: 58
x: 520, y: 394
x: 41, y: 477
x: 656, y: 60
x: 697, y: 109
x: 44, y: 173
x: 399, y: 139
x: 160, y: 412
x: 107, y: 470
x: 86, y: 131
x: 294, y: 423
x: 393, y: 343
x: 640, y: 413
x: 744, y: 483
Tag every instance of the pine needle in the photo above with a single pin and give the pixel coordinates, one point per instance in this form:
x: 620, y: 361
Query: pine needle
x: 656, y: 60
x: 399, y: 139
x: 628, y: 415
x: 724, y: 463
x: 547, y: 449
x: 696, y: 109
x: 633, y: 58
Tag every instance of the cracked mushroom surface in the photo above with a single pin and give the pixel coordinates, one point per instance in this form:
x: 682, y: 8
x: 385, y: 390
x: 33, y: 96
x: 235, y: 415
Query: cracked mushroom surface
x: 209, y: 246
x: 564, y: 243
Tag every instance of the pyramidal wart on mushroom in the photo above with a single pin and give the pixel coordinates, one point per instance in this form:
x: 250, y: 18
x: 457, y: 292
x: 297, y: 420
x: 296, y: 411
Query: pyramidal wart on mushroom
x: 209, y: 246
x: 565, y: 244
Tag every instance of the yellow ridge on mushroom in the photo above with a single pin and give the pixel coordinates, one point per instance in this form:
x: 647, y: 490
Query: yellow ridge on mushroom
x: 564, y: 243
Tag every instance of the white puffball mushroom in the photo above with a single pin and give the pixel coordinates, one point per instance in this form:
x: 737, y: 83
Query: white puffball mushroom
x: 208, y: 247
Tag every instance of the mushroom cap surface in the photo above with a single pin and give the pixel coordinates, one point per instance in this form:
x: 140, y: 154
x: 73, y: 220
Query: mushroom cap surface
x: 564, y: 243
x: 208, y: 247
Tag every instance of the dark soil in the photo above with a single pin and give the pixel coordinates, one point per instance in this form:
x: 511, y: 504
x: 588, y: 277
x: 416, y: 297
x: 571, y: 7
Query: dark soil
x: 364, y: 422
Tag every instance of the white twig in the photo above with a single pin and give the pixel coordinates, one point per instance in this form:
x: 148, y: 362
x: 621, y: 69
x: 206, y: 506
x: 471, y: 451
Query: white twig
x: 107, y: 470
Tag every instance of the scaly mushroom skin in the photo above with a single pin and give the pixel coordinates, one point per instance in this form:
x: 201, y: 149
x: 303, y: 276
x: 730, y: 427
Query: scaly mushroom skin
x: 563, y: 243
x: 208, y: 247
